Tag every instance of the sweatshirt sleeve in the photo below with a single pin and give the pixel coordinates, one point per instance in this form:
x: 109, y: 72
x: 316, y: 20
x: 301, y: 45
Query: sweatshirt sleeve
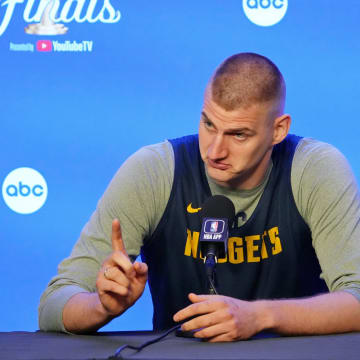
x: 137, y: 196
x: 327, y: 196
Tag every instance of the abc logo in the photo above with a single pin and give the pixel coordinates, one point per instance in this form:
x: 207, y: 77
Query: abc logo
x: 24, y: 190
x: 265, y: 12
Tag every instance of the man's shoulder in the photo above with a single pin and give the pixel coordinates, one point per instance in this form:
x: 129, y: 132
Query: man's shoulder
x: 318, y: 165
x: 150, y: 159
x: 161, y: 151
x: 316, y: 154
x: 310, y: 145
x: 145, y: 168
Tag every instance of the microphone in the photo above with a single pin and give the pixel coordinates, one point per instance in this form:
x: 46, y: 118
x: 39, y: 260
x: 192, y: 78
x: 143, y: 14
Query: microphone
x: 217, y: 214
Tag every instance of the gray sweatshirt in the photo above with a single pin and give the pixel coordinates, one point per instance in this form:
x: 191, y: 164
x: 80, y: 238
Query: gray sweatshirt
x: 325, y: 192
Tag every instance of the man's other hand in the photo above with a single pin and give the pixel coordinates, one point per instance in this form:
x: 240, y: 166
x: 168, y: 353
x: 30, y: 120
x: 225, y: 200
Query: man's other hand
x: 219, y: 318
x: 120, y: 282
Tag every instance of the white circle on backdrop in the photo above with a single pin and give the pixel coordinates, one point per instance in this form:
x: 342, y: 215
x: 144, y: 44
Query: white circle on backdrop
x: 24, y: 190
x: 265, y: 12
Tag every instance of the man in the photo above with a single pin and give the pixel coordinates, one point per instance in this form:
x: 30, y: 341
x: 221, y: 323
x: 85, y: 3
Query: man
x: 296, y: 228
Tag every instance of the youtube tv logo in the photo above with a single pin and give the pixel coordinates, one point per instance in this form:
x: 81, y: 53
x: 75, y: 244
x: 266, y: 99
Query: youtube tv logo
x: 44, y: 45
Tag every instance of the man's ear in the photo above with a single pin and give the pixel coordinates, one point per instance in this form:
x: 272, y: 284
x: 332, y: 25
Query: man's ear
x: 281, y: 128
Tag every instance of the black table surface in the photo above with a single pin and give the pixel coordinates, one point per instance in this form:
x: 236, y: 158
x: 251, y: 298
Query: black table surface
x: 41, y: 345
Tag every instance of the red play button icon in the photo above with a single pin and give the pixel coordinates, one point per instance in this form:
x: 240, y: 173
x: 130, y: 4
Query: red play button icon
x: 44, y: 45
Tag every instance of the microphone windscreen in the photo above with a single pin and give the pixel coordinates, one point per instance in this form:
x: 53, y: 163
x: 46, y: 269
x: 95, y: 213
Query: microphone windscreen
x: 217, y: 216
x: 218, y: 206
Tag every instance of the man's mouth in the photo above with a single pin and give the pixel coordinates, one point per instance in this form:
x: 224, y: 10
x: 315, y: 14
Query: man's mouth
x: 218, y: 165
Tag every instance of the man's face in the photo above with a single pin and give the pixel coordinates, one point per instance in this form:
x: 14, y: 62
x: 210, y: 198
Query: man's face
x: 236, y: 145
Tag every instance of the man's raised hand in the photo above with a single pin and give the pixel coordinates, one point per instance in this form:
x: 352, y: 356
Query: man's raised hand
x: 120, y: 282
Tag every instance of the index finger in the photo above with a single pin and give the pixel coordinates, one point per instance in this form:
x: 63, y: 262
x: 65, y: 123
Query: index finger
x: 191, y: 311
x: 116, y: 237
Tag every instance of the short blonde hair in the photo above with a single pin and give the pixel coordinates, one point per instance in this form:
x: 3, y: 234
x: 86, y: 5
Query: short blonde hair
x: 246, y: 79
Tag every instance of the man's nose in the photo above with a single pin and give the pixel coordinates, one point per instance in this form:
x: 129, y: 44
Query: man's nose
x: 217, y: 149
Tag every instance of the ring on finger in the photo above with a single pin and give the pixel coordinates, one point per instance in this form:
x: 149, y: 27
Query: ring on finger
x: 106, y: 272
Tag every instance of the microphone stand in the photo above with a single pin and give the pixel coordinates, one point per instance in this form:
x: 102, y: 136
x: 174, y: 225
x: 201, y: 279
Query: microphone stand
x: 210, y: 261
x: 210, y: 264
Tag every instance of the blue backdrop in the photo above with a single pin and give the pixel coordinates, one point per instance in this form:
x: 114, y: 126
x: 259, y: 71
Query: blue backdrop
x: 75, y: 116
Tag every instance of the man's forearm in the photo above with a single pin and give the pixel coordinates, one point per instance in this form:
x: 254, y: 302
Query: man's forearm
x: 84, y: 313
x: 335, y: 312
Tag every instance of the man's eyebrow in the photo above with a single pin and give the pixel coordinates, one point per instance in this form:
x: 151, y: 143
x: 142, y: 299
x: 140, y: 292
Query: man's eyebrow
x: 205, y: 116
x: 230, y: 131
x: 240, y: 130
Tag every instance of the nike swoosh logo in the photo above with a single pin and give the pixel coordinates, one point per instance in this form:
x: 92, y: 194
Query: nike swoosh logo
x: 191, y: 210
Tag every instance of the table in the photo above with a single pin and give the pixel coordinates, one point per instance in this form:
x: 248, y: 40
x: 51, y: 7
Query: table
x: 57, y: 346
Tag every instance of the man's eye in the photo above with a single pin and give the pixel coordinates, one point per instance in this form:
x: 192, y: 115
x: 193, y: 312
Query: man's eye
x: 240, y: 136
x: 208, y: 124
